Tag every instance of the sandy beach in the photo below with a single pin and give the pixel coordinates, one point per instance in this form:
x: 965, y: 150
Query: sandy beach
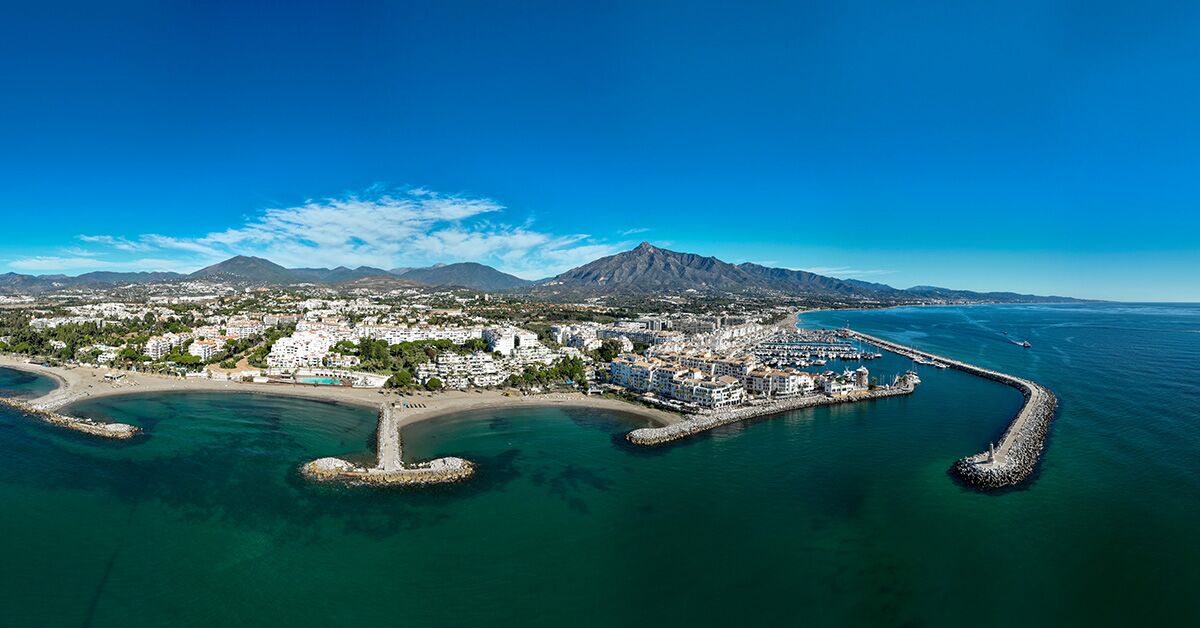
x: 78, y: 383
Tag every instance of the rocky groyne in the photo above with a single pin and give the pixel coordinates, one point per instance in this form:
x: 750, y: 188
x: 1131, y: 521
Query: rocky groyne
x: 389, y: 468
x: 696, y: 423
x: 1020, y: 448
x: 118, y: 431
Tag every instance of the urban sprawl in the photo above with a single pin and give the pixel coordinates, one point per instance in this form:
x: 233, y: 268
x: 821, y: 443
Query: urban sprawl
x: 432, y: 339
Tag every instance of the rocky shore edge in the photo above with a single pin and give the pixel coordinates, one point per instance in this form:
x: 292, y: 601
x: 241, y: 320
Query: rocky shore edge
x: 696, y: 423
x: 117, y: 431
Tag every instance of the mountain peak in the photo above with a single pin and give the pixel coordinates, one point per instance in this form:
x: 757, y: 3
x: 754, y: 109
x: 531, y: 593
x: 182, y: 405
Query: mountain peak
x: 246, y: 268
x: 646, y: 247
x: 466, y: 274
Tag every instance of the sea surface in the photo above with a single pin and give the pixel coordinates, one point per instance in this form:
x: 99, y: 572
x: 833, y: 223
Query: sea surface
x: 835, y: 516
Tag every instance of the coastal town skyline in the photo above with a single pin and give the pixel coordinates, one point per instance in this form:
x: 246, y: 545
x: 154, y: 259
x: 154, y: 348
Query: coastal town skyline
x: 534, y: 313
x: 890, y: 147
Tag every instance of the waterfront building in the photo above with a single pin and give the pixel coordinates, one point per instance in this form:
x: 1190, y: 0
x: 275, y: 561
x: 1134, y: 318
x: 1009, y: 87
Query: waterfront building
x: 778, y: 383
x: 301, y: 349
x: 159, y: 347
x: 456, y: 371
x: 675, y: 381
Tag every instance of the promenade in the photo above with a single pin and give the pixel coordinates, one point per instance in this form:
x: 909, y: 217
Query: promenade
x: 1020, y: 447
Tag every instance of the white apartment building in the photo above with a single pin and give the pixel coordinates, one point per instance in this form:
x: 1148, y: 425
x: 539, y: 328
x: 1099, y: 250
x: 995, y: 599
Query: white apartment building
x: 341, y: 360
x: 462, y: 371
x: 582, y: 337
x: 160, y: 346
x: 504, y: 340
x: 244, y: 328
x: 718, y: 392
x: 398, y: 334
x: 644, y: 336
x: 709, y: 364
x: 779, y: 383
x: 206, y: 349
x: 676, y: 381
x: 301, y: 349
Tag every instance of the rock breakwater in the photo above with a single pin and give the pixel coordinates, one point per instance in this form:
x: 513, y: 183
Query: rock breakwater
x: 1020, y: 447
x: 389, y: 468
x: 118, y: 431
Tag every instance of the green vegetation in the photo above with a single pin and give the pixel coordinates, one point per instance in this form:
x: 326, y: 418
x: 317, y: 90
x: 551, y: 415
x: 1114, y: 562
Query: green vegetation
x: 379, y: 357
x: 607, y: 351
x: 565, y: 370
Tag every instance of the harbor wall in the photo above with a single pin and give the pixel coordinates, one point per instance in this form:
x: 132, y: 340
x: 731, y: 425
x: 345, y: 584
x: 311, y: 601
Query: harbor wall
x: 696, y: 423
x: 1020, y: 447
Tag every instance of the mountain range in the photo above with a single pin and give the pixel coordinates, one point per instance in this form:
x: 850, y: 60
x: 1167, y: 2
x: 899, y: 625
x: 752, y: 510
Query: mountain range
x: 643, y: 271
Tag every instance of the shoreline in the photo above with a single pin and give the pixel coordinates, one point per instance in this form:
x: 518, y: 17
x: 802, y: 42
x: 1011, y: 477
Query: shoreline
x: 83, y: 383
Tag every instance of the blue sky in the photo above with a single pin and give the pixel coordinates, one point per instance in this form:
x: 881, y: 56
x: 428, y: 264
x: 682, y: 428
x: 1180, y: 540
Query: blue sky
x: 1042, y: 147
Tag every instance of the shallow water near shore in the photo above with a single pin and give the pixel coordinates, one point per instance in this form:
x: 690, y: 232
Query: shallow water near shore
x: 831, y: 516
x: 22, y: 384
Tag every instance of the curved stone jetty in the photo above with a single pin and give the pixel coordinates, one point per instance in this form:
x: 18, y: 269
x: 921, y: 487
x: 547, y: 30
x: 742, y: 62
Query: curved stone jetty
x: 1022, y: 444
x: 389, y: 466
x: 118, y: 431
x: 696, y: 423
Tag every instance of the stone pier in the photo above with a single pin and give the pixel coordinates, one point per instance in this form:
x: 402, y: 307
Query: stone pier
x: 389, y: 466
x: 696, y: 423
x: 1020, y: 447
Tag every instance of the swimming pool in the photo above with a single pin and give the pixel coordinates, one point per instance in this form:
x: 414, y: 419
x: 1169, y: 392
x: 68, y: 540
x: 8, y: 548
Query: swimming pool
x: 325, y: 381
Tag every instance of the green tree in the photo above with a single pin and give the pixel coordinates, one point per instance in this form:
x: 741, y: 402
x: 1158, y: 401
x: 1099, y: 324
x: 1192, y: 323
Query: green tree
x: 608, y: 351
x: 433, y: 384
x: 401, y: 379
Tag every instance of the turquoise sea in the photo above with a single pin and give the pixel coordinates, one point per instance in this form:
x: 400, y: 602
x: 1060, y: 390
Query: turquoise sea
x: 834, y: 516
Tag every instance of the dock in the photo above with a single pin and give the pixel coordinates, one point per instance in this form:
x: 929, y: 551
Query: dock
x: 389, y: 466
x: 1020, y: 448
x: 697, y: 423
x: 117, y: 431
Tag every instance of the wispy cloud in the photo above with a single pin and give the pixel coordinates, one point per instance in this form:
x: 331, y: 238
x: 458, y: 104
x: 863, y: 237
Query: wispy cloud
x: 634, y: 231
x: 846, y: 272
x: 66, y: 264
x: 121, y: 244
x: 380, y: 228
